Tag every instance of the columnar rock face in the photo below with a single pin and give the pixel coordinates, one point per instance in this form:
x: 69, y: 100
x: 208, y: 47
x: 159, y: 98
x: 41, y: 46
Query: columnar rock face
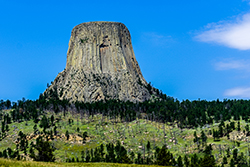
x: 100, y: 65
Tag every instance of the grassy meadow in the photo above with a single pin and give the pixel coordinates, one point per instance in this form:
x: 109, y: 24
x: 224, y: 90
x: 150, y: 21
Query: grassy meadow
x: 14, y: 163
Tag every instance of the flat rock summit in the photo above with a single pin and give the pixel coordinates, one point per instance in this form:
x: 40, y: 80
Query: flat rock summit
x: 101, y: 65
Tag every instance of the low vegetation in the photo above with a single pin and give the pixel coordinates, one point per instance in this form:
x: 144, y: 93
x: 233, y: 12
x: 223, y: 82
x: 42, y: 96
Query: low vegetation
x: 15, y: 163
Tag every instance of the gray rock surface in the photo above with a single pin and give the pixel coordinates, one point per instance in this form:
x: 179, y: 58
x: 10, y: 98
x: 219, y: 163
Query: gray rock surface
x: 101, y: 65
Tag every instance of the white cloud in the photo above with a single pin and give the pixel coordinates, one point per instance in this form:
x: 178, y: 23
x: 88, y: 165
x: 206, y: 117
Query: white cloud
x: 233, y: 65
x: 242, y: 92
x: 233, y: 34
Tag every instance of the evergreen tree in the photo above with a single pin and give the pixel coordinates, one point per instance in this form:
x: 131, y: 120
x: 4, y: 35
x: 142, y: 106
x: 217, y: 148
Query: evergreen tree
x: 35, y: 128
x: 84, y: 136
x: 82, y: 156
x: 231, y: 164
x: 110, y: 156
x: 5, y: 154
x: 235, y: 154
x: 194, y: 160
x: 164, y: 157
x: 102, y: 152
x: 52, y: 118
x: 55, y: 130
x: 8, y: 104
x: 44, y: 123
x: 238, y: 127
x: 139, y: 159
x: 186, y: 161
x: 45, y: 151
x: 220, y: 132
x: 148, y: 146
x: 32, y: 153
x: 195, y: 137
x: 228, y: 152
x: 232, y: 125
x: 3, y: 127
x: 208, y: 161
x: 132, y: 155
x: 208, y: 150
x: 224, y: 160
x: 247, y: 130
x: 87, y: 156
x: 179, y: 162
x: 203, y: 137
x: 67, y: 134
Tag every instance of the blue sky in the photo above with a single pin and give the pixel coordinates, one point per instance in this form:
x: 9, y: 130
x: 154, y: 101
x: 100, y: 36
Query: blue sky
x: 188, y: 49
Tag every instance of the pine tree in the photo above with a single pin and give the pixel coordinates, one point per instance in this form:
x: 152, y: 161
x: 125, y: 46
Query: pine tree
x: 203, y: 137
x: 3, y: 127
x: 164, y: 157
x: 238, y: 127
x: 148, y: 146
x: 55, y: 132
x: 84, y: 136
x: 8, y: 104
x: 44, y: 123
x: 87, y: 156
x: 82, y: 156
x: 67, y: 134
x: 228, y: 152
x: 186, y: 161
x: 52, y: 120
x: 132, y: 155
x: 110, y: 156
x: 208, y: 161
x: 235, y: 155
x: 32, y: 153
x: 208, y: 150
x: 45, y: 150
x: 194, y: 160
x: 5, y: 154
x: 102, y: 152
x: 231, y: 164
x: 224, y: 160
x: 35, y: 128
x: 195, y: 137
x: 179, y: 162
x: 232, y: 125
x: 247, y: 130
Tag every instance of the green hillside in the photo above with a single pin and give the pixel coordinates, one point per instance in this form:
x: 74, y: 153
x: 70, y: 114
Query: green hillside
x: 77, y: 135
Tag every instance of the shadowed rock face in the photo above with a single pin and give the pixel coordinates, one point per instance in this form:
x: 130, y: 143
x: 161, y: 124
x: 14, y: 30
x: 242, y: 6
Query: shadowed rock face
x: 100, y: 65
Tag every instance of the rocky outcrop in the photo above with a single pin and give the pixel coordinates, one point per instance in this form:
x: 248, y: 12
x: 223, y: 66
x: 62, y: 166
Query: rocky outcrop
x: 101, y: 65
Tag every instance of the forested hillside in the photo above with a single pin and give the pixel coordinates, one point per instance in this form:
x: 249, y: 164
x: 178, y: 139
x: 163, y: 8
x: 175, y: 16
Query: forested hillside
x: 161, y: 131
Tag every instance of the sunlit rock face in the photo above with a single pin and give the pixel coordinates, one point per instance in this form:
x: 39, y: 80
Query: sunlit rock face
x: 100, y: 65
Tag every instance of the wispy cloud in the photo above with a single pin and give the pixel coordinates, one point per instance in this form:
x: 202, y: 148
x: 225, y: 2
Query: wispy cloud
x: 233, y: 34
x: 157, y: 39
x: 246, y: 1
x: 229, y: 64
x: 241, y: 92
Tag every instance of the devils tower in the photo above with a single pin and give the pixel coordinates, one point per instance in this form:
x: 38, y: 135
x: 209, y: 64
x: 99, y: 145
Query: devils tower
x: 101, y: 65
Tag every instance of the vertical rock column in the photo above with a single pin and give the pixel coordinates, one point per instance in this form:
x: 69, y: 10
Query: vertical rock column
x: 100, y: 65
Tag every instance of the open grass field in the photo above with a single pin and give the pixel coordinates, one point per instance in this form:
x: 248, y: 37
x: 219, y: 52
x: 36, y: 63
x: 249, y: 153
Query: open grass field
x: 14, y: 163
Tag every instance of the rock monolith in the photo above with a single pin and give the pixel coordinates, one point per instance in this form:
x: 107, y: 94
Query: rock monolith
x: 101, y: 65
